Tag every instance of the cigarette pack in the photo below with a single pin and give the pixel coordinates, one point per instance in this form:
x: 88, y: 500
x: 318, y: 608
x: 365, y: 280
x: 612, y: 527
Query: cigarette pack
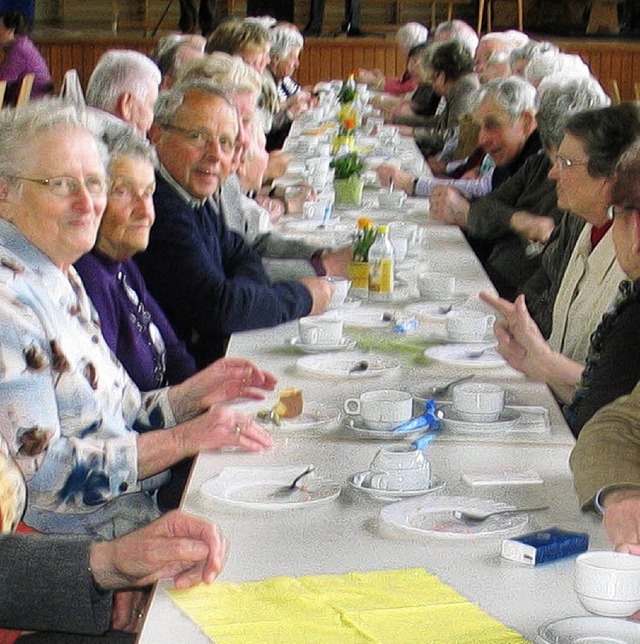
x: 544, y: 545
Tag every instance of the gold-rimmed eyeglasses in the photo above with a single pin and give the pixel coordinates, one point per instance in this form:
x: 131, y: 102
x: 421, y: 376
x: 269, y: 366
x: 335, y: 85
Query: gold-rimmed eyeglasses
x: 564, y: 164
x: 64, y: 186
x: 200, y: 140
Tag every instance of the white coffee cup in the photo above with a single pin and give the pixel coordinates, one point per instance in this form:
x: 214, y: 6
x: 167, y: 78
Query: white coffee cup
x: 381, y: 409
x: 436, y: 286
x: 468, y: 325
x: 478, y: 402
x: 399, y: 467
x: 320, y: 331
x: 314, y: 210
x: 608, y: 583
x: 393, y: 199
x: 341, y: 286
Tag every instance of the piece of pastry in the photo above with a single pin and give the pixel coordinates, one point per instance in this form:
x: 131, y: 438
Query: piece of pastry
x: 289, y: 403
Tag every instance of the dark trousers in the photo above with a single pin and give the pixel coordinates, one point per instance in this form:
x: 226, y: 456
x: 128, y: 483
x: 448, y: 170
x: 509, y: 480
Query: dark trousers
x: 191, y: 16
x: 316, y: 16
x: 281, y: 10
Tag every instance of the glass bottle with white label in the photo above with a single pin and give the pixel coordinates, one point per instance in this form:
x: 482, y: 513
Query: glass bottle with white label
x: 381, y: 267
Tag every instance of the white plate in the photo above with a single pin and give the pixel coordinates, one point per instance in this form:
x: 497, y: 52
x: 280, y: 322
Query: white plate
x: 357, y: 426
x: 314, y: 417
x: 356, y: 480
x: 338, y: 365
x: 312, y: 226
x: 429, y: 310
x: 589, y: 630
x: 360, y: 318
x: 344, y: 344
x: 507, y: 422
x: 457, y: 355
x: 253, y: 487
x: 433, y: 516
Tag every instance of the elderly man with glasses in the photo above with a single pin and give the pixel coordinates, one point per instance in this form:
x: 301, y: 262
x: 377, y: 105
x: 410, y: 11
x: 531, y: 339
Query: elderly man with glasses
x: 208, y: 280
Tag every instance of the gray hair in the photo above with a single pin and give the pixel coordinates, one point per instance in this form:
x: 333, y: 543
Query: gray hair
x: 123, y: 140
x: 170, y: 102
x: 23, y: 124
x: 513, y: 95
x: 167, y: 55
x: 559, y: 99
x: 230, y: 73
x: 120, y: 71
x: 542, y: 63
x: 458, y: 30
x: 411, y: 34
x: 283, y: 40
x: 529, y: 51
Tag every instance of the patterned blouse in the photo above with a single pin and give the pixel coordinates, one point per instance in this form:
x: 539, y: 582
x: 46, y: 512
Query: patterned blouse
x: 68, y: 410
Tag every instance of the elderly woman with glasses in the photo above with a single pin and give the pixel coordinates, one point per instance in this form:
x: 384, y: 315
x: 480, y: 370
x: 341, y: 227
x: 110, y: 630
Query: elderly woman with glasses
x: 68, y: 410
x: 597, y: 261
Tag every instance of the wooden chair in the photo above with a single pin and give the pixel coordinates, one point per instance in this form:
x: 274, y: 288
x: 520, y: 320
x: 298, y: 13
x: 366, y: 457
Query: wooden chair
x: 489, y: 10
x: 25, y: 89
x: 71, y: 88
x: 613, y: 91
x: 3, y: 89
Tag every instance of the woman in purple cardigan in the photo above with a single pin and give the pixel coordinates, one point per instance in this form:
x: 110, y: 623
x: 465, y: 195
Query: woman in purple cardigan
x: 21, y: 57
x: 133, y: 324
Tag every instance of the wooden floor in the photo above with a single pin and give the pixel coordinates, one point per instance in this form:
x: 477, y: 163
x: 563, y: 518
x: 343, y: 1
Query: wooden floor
x: 614, y: 59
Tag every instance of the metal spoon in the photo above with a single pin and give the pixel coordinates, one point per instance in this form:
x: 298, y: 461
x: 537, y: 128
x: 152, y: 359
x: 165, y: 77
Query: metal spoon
x: 285, y: 490
x: 472, y: 355
x: 444, y: 389
x: 363, y: 365
x: 475, y: 517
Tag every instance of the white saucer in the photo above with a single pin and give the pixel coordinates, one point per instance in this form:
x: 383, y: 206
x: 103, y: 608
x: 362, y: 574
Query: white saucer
x: 315, y: 417
x: 356, y: 481
x: 507, y: 422
x: 338, y: 365
x: 589, y: 630
x: 344, y: 344
x: 457, y: 355
x: 360, y: 318
x: 356, y: 425
x: 433, y: 516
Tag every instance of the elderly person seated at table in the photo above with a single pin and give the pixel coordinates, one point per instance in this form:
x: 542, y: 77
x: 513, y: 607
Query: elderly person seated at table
x: 175, y: 51
x: 522, y: 56
x: 408, y: 37
x: 493, y: 44
x: 88, y: 470
x: 606, y: 468
x: 586, y: 186
x: 189, y: 549
x: 506, y: 117
x: 20, y: 57
x: 522, y: 213
x: 284, y: 60
x: 207, y: 279
x: 449, y: 72
x: 125, y: 84
x: 283, y: 258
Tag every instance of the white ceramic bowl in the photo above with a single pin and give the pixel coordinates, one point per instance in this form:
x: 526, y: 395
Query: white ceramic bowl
x: 608, y: 583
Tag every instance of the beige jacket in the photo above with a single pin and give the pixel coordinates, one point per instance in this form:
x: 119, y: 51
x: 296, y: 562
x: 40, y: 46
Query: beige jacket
x: 608, y: 448
x: 587, y: 289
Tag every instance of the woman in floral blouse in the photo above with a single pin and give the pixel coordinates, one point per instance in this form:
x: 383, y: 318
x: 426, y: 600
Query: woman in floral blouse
x: 68, y: 410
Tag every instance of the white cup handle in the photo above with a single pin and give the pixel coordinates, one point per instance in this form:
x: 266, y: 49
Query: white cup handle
x: 352, y: 406
x: 379, y: 480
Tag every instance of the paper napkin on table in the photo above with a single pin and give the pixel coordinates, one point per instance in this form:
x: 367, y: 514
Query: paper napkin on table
x: 402, y: 606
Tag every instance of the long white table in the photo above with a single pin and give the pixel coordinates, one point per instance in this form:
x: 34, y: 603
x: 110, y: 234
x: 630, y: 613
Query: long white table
x: 345, y: 535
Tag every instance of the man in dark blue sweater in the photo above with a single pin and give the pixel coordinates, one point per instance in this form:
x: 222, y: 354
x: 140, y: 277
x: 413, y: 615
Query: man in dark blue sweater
x: 208, y: 280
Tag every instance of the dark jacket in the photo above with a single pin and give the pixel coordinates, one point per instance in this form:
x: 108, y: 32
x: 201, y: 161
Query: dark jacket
x: 208, y: 280
x: 529, y: 189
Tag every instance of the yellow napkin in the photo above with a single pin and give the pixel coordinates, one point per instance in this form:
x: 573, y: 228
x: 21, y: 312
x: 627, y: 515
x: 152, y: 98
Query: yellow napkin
x: 402, y: 606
